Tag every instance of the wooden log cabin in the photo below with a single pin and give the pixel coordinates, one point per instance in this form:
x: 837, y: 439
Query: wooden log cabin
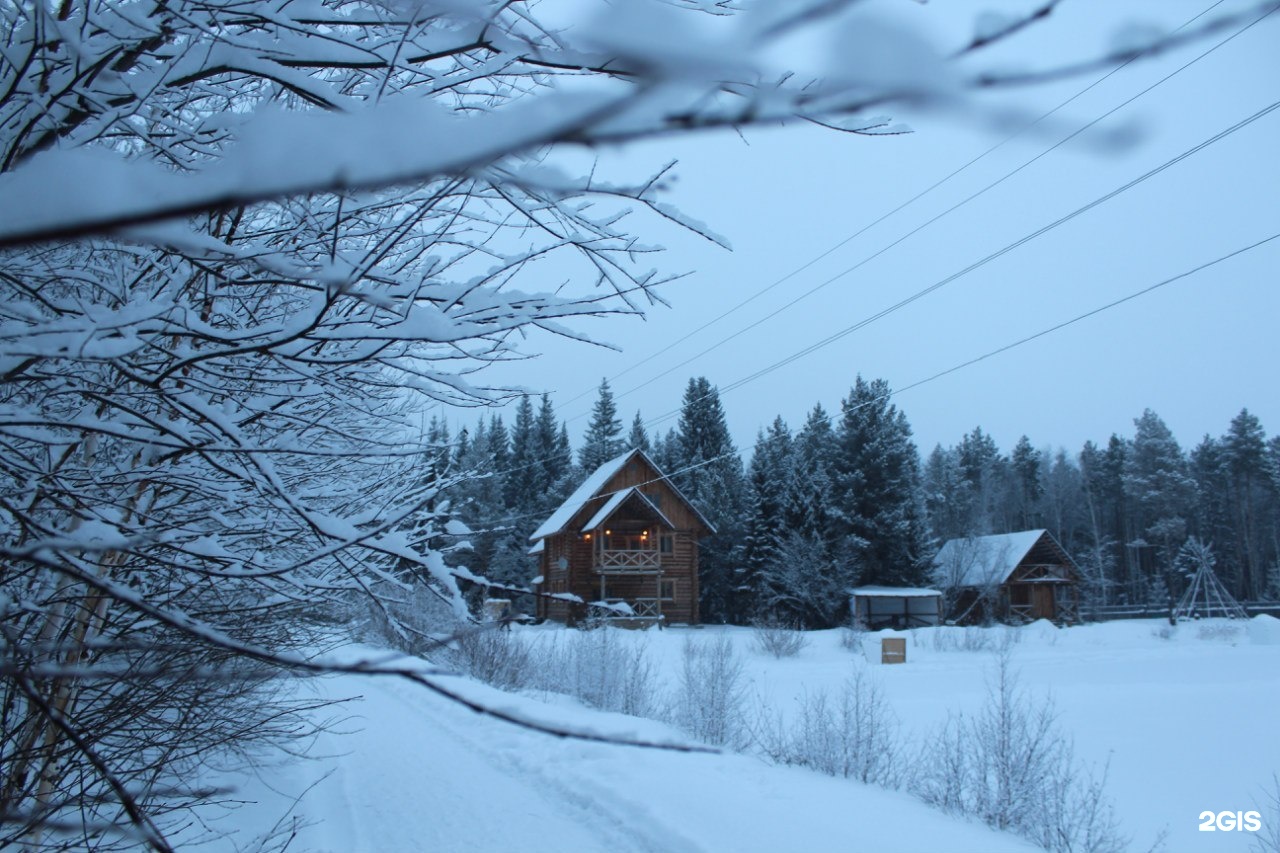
x: 1011, y: 577
x: 626, y: 537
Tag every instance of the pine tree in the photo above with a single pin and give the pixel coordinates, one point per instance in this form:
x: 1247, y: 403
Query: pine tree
x: 947, y: 495
x: 1245, y: 456
x: 877, y: 481
x: 1026, y: 465
x: 984, y: 471
x: 1159, y: 491
x: 603, y: 440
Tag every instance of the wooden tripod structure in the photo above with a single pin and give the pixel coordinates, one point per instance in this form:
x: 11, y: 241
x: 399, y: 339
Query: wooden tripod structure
x: 1206, y: 596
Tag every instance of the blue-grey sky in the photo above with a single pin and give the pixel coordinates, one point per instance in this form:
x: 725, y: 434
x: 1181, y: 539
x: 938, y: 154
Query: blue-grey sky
x: 1195, y: 351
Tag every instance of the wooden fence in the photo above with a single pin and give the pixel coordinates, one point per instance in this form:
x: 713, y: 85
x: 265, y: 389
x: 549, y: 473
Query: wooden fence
x: 1109, y: 612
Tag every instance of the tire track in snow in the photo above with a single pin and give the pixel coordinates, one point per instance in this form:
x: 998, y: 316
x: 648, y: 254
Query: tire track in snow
x: 623, y: 821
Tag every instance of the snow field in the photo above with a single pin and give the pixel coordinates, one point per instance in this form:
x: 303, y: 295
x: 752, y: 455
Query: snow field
x: 1184, y: 720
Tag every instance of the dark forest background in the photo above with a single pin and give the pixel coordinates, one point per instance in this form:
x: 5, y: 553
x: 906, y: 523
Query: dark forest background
x: 847, y: 498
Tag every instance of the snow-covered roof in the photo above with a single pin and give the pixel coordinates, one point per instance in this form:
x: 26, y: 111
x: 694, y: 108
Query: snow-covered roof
x: 538, y: 548
x: 618, y: 500
x: 983, y: 560
x: 559, y: 519
x: 894, y: 592
x: 585, y: 492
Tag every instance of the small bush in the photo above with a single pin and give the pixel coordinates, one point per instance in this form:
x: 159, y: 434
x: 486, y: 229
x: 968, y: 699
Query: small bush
x: 493, y: 656
x: 710, y: 701
x: 853, y: 736
x: 1218, y: 631
x: 852, y: 635
x: 1011, y: 767
x: 601, y: 668
x: 778, y: 637
x: 972, y: 639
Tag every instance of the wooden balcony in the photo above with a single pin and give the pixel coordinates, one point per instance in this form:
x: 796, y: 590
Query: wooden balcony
x: 645, y: 613
x: 614, y: 562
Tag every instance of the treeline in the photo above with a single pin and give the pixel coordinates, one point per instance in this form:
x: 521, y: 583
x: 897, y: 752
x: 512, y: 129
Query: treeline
x: 846, y: 499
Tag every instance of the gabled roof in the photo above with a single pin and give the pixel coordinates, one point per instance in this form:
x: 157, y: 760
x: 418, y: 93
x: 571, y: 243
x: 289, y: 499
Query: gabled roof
x: 591, y: 487
x: 984, y: 560
x: 618, y: 499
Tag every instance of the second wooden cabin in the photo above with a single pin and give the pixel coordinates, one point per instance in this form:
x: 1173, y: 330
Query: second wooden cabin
x: 1011, y: 577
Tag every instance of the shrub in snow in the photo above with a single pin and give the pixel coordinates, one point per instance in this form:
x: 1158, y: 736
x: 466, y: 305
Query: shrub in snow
x: 851, y: 636
x: 493, y: 656
x: 602, y: 668
x: 1011, y: 767
x: 972, y: 639
x: 1218, y: 631
x: 779, y: 637
x: 710, y: 700
x: 852, y: 735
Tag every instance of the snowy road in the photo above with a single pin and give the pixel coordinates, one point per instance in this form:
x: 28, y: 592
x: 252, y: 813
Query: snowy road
x: 415, y: 772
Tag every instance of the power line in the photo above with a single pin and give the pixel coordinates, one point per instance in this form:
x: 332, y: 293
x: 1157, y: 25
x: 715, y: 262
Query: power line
x: 920, y: 294
x: 944, y: 213
x: 881, y: 218
x: 970, y: 362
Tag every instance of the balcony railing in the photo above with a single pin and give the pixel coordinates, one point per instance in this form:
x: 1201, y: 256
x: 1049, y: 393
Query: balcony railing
x: 623, y: 562
x: 641, y: 608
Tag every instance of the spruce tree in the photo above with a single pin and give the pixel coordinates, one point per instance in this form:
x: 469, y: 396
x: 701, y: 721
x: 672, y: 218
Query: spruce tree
x: 709, y: 473
x: 638, y: 439
x: 768, y: 486
x: 878, y: 485
x: 603, y: 439
x: 524, y: 481
x: 812, y: 507
x: 546, y: 446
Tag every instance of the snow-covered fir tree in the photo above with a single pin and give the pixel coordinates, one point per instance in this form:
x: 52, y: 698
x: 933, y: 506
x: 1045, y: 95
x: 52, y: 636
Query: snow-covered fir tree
x: 708, y: 470
x: 877, y: 481
x: 768, y: 485
x: 603, y: 439
x: 638, y: 438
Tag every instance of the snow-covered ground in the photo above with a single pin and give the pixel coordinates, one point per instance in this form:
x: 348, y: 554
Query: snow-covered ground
x: 1188, y: 721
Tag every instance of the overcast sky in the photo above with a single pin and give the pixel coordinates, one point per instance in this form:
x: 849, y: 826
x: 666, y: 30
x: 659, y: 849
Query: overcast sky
x: 1195, y: 351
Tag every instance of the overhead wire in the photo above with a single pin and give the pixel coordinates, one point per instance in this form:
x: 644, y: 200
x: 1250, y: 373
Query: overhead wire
x: 848, y: 270
x: 938, y: 285
x: 878, y: 220
x: 920, y: 294
x: 972, y: 361
x: 1217, y: 137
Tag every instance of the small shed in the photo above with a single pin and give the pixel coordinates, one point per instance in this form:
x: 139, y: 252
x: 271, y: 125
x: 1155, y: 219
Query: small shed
x: 897, y: 607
